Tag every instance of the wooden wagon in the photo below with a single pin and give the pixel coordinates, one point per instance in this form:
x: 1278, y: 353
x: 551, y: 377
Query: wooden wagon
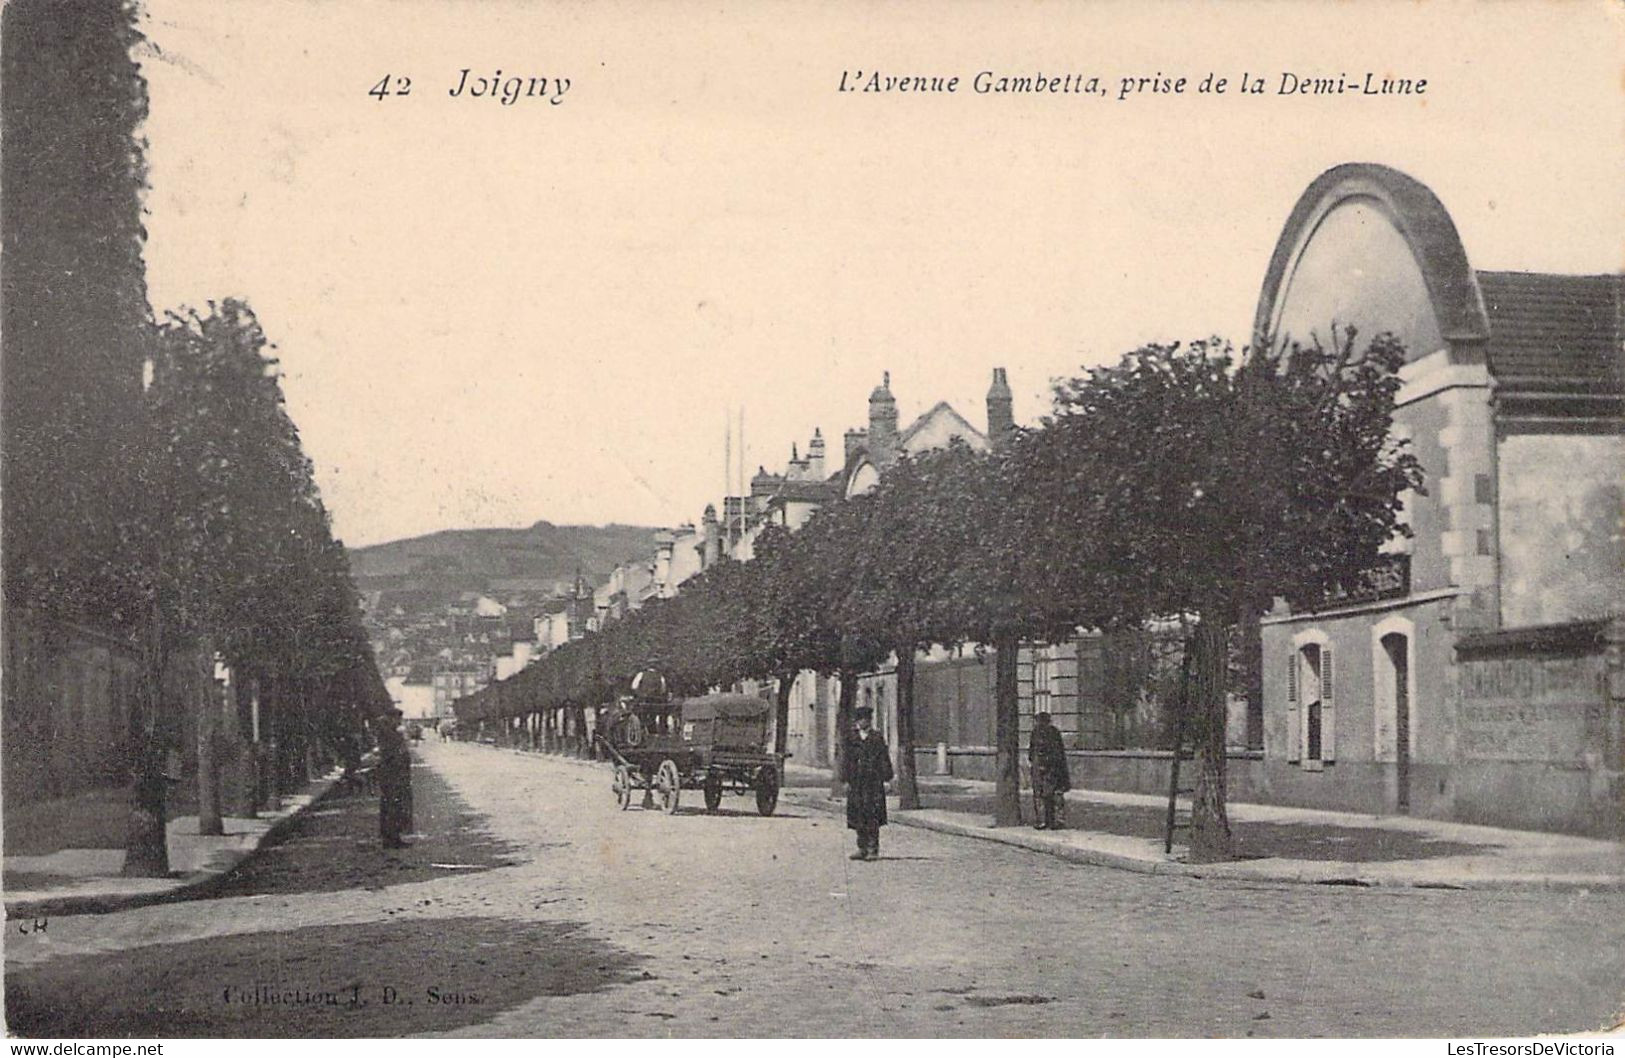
x: 719, y: 743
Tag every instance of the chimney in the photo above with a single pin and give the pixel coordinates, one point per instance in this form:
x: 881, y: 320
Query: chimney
x: 882, y: 418
x: 815, y: 456
x: 710, y: 537
x: 1000, y: 419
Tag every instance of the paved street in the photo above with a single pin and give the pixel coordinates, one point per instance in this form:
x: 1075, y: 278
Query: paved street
x: 530, y: 905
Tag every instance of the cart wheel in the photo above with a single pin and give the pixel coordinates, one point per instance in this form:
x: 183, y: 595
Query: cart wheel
x: 622, y: 785
x: 767, y: 790
x: 668, y: 785
x: 713, y: 792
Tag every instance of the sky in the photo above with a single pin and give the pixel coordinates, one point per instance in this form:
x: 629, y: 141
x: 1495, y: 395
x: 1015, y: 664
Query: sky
x: 490, y: 315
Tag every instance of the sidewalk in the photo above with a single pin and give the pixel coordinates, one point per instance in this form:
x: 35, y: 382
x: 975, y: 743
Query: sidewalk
x: 87, y: 881
x: 1273, y: 843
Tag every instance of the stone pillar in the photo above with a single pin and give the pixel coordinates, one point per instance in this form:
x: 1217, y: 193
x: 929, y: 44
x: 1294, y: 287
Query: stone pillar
x: 1467, y: 504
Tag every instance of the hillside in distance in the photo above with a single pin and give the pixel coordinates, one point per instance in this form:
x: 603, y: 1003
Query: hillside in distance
x: 486, y: 560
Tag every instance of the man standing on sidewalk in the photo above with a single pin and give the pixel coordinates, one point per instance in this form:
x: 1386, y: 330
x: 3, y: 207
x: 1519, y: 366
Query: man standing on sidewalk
x: 394, y: 782
x: 1051, y: 777
x: 866, y: 772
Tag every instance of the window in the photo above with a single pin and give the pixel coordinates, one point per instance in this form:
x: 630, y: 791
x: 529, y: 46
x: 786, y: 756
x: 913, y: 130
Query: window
x: 1043, y: 679
x: 1311, y: 715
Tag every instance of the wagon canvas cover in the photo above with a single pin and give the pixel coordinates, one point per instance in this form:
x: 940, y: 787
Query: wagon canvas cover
x: 735, y: 721
x: 744, y: 706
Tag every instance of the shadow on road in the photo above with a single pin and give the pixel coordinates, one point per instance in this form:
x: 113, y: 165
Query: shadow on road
x: 336, y: 846
x: 394, y: 978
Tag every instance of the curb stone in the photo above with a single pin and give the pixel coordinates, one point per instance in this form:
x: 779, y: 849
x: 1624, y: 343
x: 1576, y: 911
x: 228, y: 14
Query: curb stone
x: 189, y: 886
x: 1240, y: 871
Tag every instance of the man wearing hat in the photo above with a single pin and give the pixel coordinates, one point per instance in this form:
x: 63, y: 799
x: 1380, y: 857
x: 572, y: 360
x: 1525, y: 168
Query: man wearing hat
x: 866, y: 771
x: 394, y: 782
x: 1051, y: 777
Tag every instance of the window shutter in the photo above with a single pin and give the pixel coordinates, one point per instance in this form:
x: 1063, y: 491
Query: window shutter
x: 1328, y: 708
x: 1294, y: 732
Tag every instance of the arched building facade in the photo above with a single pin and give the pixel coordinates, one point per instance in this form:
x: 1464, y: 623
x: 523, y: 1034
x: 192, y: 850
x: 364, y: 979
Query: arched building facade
x: 1479, y: 677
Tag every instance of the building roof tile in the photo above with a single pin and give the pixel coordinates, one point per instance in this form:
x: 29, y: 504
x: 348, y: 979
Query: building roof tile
x: 1555, y: 331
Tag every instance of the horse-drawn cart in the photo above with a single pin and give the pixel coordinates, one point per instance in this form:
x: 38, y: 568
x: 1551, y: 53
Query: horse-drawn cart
x: 717, y: 743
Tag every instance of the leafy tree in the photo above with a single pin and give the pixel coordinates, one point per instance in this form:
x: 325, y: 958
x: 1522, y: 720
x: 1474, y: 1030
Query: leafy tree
x: 790, y: 628
x: 1207, y: 482
x: 229, y: 551
x: 1003, y: 588
x: 910, y: 546
x: 73, y: 318
x: 74, y: 304
x: 828, y: 565
x: 175, y: 516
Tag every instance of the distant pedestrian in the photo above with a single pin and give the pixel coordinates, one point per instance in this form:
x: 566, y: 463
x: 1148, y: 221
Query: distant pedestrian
x: 1051, y: 778
x: 866, y: 771
x: 394, y: 782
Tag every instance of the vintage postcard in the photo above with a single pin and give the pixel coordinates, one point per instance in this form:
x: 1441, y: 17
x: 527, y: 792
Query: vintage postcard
x: 785, y: 519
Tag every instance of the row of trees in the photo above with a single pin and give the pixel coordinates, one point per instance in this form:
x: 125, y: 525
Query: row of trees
x: 1193, y: 482
x: 156, y: 489
x: 229, y: 553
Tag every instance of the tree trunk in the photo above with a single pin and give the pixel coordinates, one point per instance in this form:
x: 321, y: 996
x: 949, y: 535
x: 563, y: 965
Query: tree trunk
x: 209, y: 705
x: 843, y: 726
x: 283, y: 736
x: 781, y: 713
x: 305, y: 762
x: 1210, y: 824
x: 256, y: 749
x: 146, y: 844
x: 908, y: 786
x: 269, y: 753
x: 1006, y: 733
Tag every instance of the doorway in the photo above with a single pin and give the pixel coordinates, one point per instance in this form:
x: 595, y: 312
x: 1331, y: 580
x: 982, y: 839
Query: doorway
x: 1397, y: 648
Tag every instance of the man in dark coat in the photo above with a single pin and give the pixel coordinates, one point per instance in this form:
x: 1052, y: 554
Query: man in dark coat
x: 394, y: 782
x: 1051, y: 778
x: 866, y: 771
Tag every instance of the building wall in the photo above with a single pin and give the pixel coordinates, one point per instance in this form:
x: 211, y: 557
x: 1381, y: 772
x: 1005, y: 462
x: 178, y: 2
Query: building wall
x: 1419, y: 422
x: 1541, y: 730
x: 69, y: 694
x: 797, y: 513
x: 1357, y: 267
x: 812, y: 705
x: 415, y: 700
x: 1360, y: 769
x: 686, y: 560
x: 938, y: 427
x: 450, y: 685
x: 1562, y: 546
